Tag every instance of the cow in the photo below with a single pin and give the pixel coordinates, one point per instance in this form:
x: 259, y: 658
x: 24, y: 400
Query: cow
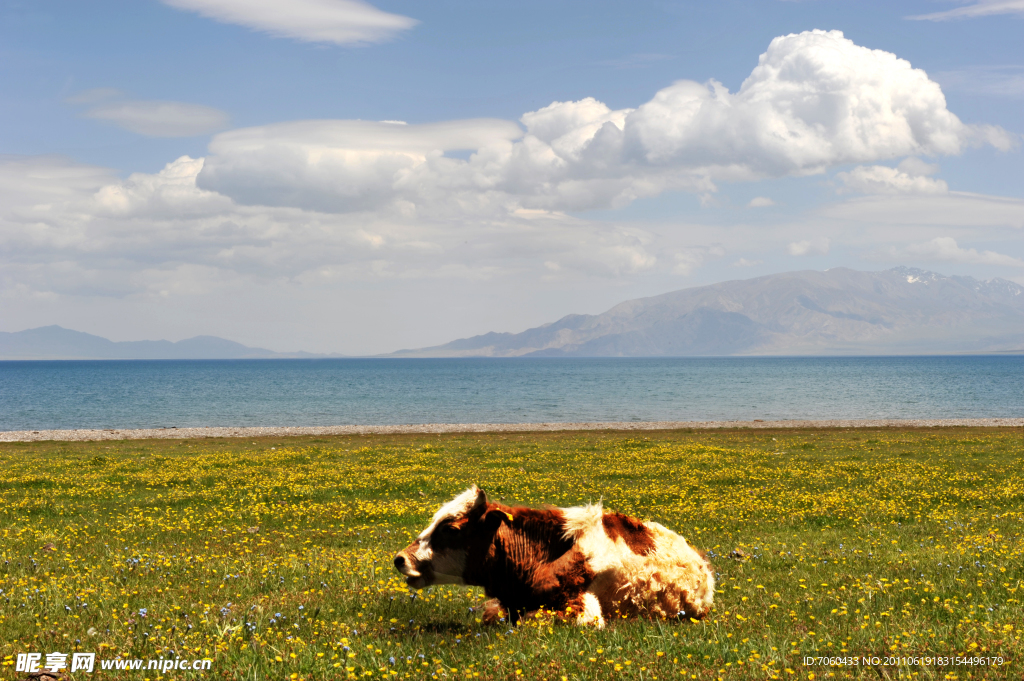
x: 585, y: 562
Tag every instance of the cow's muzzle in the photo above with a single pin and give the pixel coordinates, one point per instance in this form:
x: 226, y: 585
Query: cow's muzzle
x: 407, y: 565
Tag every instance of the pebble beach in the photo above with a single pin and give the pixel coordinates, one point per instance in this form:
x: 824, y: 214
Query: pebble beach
x: 186, y: 433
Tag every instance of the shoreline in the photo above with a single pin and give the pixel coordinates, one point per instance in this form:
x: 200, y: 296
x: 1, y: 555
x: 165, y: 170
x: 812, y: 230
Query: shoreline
x: 438, y: 428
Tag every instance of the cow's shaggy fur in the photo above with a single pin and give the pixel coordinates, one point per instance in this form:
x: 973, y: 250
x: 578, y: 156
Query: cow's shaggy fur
x: 584, y: 561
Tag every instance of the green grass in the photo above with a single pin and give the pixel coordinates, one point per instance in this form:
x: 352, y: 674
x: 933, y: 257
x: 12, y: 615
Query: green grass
x: 839, y: 543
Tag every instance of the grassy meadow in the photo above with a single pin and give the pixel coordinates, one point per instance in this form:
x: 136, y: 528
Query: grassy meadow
x: 272, y: 557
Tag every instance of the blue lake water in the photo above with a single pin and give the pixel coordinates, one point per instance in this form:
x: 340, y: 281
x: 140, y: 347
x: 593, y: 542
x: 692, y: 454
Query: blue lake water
x: 41, y: 395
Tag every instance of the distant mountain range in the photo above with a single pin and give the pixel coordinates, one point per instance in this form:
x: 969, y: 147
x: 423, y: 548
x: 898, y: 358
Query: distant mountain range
x: 55, y: 342
x: 839, y: 311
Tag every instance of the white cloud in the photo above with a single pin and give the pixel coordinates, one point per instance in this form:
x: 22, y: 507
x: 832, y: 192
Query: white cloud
x: 342, y: 22
x: 992, y: 135
x: 77, y: 236
x: 760, y: 202
x: 160, y: 119
x: 982, y: 8
x: 77, y: 230
x: 886, y: 180
x: 916, y: 167
x: 815, y: 246
x: 38, y: 183
x: 170, y: 193
x: 814, y: 101
x: 357, y: 165
x: 690, y: 259
x: 945, y: 249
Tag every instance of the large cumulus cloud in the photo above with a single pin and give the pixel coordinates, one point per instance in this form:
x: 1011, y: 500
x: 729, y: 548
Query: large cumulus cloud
x: 815, y: 100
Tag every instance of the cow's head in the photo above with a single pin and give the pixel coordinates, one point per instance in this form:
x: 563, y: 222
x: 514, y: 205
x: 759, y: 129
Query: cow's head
x: 462, y: 528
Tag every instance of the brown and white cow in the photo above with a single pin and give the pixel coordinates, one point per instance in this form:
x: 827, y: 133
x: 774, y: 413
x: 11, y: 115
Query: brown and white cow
x: 584, y: 560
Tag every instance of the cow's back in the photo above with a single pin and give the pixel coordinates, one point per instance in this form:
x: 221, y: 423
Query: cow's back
x: 641, y: 568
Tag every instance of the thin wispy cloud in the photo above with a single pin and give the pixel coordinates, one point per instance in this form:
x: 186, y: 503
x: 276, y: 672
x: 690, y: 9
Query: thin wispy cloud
x: 342, y: 22
x: 946, y: 249
x: 982, y: 8
x: 154, y: 118
x: 962, y: 209
x: 94, y: 95
x: 993, y: 81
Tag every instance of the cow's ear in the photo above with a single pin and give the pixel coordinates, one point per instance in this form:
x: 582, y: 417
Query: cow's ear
x: 481, y: 500
x: 494, y: 518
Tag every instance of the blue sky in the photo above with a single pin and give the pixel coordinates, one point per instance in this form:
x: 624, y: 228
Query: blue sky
x: 188, y: 167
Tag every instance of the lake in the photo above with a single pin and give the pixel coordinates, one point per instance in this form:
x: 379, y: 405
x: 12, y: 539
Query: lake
x: 38, y: 395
